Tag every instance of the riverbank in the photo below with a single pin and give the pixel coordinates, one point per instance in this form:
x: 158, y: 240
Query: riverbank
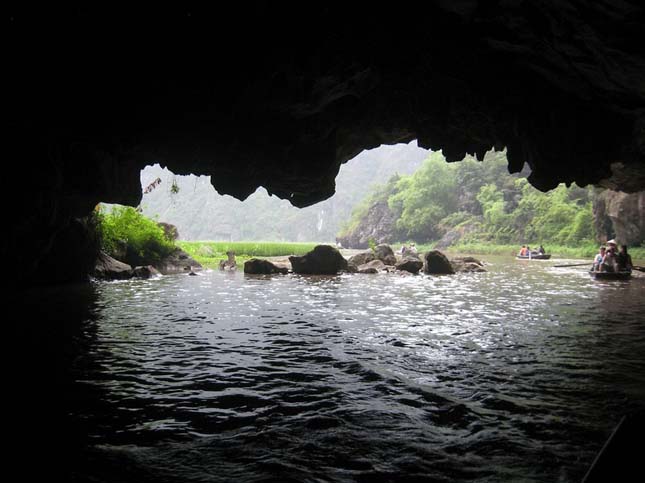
x: 558, y: 251
x: 210, y: 253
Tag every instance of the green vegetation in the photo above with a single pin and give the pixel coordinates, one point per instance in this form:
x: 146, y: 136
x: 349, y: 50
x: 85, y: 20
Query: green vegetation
x: 130, y: 237
x: 481, y: 204
x: 209, y: 254
x: 480, y: 248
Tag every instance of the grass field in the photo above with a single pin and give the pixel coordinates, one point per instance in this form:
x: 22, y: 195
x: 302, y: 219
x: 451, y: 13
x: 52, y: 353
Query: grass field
x: 209, y: 253
x: 584, y: 252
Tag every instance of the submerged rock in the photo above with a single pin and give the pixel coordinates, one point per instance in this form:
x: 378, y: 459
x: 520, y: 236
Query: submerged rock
x: 467, y: 264
x: 145, y: 271
x: 322, y: 260
x: 260, y: 266
x: 374, y: 266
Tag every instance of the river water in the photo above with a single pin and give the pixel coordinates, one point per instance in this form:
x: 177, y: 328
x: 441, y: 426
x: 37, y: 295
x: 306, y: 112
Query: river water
x: 516, y: 374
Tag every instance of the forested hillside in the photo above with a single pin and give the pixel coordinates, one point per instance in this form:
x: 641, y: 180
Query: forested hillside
x: 200, y: 213
x: 471, y: 201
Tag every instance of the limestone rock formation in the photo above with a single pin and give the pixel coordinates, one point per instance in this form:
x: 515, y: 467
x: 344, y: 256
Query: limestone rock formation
x: 379, y: 225
x: 322, y: 260
x: 620, y: 216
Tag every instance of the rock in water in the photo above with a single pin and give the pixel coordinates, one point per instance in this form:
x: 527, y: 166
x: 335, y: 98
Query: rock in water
x: 263, y: 267
x: 384, y: 253
x: 436, y: 263
x: 375, y: 266
x: 362, y: 258
x: 145, y: 271
x: 467, y: 264
x: 322, y: 260
x: 410, y: 263
x: 108, y: 268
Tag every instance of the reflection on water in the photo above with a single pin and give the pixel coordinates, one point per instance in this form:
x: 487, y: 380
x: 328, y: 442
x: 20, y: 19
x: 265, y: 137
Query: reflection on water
x: 519, y: 373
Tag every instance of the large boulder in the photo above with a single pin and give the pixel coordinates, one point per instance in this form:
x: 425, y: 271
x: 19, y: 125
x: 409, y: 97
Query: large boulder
x: 437, y: 263
x: 410, y: 263
x: 322, y: 260
x: 108, y: 268
x: 177, y: 262
x: 385, y: 253
x: 362, y: 258
x: 260, y: 266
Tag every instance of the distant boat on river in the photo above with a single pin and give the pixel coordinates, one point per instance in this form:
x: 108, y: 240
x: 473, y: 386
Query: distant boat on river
x: 537, y: 256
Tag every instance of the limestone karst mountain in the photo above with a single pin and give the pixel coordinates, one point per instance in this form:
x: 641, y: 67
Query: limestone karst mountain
x: 200, y: 213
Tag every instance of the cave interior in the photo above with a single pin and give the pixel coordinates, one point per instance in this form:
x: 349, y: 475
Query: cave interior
x: 280, y: 95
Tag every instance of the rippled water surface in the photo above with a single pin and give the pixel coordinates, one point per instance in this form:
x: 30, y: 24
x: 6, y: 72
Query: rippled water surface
x: 516, y: 374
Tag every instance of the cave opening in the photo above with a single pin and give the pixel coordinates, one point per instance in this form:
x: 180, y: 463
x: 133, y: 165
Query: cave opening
x: 271, y: 95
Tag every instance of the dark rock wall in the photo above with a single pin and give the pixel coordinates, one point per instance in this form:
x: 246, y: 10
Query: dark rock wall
x: 279, y: 95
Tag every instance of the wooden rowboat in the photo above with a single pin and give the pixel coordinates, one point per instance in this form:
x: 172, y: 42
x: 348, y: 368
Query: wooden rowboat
x: 541, y: 256
x: 625, y: 275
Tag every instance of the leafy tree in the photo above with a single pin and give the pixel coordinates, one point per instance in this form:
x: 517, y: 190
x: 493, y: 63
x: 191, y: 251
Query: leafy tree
x: 495, y: 205
x: 425, y: 198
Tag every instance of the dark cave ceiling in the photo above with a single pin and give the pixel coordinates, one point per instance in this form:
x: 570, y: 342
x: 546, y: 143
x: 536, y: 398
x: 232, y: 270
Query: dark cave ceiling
x: 280, y: 95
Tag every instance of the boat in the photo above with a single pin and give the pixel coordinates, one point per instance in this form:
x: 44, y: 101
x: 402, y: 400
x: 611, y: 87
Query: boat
x: 537, y: 256
x: 624, y: 275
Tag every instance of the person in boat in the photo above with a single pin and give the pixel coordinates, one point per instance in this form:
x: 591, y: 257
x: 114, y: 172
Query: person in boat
x: 523, y: 251
x: 597, y: 261
x: 609, y: 260
x: 541, y: 250
x: 413, y: 248
x: 623, y: 260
